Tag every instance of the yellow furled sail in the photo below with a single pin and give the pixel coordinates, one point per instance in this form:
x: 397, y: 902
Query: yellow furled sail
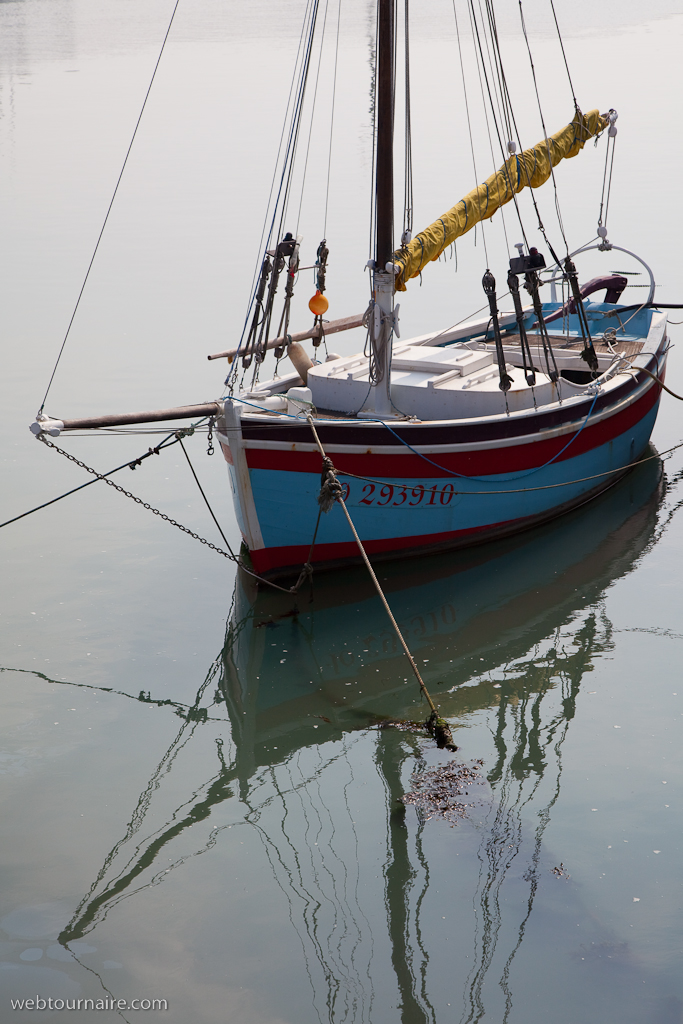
x: 531, y: 168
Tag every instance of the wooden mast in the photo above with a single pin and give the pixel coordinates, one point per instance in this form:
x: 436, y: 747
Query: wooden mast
x: 381, y: 322
x: 384, y: 182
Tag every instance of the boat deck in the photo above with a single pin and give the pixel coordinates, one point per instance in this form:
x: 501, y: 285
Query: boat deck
x: 571, y: 343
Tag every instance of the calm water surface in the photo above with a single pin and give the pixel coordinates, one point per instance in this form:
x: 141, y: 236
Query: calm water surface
x: 199, y: 804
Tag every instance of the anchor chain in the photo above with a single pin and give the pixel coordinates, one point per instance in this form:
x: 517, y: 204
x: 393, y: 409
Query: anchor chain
x: 139, y: 501
x: 306, y: 571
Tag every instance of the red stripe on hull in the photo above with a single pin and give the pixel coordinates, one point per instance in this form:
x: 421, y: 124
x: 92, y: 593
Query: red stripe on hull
x: 268, y: 559
x: 481, y: 462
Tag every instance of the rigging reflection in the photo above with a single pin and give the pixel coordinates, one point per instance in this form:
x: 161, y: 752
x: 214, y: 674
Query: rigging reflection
x: 510, y: 631
x: 526, y: 782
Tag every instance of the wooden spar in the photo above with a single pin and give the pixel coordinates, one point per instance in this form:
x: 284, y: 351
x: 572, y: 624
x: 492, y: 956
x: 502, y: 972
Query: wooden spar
x: 183, y: 412
x: 382, y: 321
x: 384, y: 181
x: 347, y: 323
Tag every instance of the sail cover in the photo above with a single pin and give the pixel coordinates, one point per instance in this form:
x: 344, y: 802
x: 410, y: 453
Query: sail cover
x: 531, y: 167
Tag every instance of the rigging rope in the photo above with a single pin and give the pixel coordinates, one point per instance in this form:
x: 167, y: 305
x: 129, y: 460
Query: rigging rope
x: 469, y: 129
x: 310, y: 124
x: 478, y: 63
x: 502, y: 94
x: 564, y: 55
x: 604, y: 202
x: 109, y: 208
x: 295, y: 127
x: 259, y: 259
x: 503, y: 101
x: 545, y: 136
x: 408, y: 142
x: 334, y: 96
x: 294, y: 115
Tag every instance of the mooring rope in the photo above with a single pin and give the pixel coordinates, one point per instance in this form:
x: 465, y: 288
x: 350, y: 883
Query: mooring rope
x: 331, y: 492
x: 641, y: 369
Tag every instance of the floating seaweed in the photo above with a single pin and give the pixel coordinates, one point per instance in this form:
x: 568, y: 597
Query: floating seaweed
x: 438, y: 792
x: 402, y: 724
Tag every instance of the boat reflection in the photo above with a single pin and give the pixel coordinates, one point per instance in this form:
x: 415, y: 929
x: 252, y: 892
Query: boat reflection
x: 331, y: 654
x: 509, y: 630
x: 515, y: 627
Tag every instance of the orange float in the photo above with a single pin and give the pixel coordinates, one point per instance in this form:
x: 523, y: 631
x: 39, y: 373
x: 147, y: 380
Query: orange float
x: 318, y: 304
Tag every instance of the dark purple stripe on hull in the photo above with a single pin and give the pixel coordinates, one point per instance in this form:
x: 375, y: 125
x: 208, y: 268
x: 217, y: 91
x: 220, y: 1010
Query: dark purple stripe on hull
x: 475, y: 463
x: 373, y: 434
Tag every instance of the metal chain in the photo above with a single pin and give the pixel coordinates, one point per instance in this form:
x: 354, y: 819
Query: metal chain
x: 306, y: 570
x: 210, y: 450
x: 139, y: 501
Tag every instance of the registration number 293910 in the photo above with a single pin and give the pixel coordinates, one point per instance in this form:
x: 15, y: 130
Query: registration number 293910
x: 396, y: 495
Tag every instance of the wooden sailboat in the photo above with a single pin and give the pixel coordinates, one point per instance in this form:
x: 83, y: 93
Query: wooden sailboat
x: 461, y: 435
x: 447, y: 439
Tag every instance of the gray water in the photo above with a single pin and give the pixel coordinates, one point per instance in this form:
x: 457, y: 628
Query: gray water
x: 230, y: 838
